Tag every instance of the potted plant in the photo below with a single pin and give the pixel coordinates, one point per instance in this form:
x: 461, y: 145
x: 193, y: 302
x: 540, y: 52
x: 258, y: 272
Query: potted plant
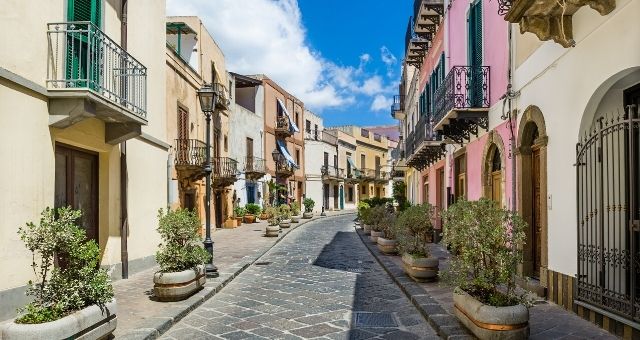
x: 365, y: 218
x: 308, y: 208
x: 71, y: 298
x: 273, y: 229
x: 285, y: 216
x: 295, y: 212
x: 415, y: 229
x: 488, y: 241
x: 238, y: 213
x: 361, y: 207
x: 251, y: 212
x: 376, y: 215
x: 263, y: 214
x: 387, y: 242
x: 181, y: 256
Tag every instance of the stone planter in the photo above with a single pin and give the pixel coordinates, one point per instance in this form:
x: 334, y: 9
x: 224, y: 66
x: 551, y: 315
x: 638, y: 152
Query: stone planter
x: 387, y: 246
x: 272, y: 231
x: 420, y: 269
x: 307, y: 215
x: 488, y: 322
x: 367, y: 229
x: 178, y: 285
x: 295, y: 219
x: 88, y: 323
x: 249, y: 218
x: 374, y: 235
x: 285, y: 223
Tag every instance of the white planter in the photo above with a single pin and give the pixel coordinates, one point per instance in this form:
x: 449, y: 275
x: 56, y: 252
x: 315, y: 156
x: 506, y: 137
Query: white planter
x: 367, y: 229
x: 307, y: 215
x: 420, y: 269
x: 179, y: 285
x: 387, y: 246
x: 285, y: 223
x: 374, y: 235
x: 488, y: 322
x: 272, y: 231
x: 295, y: 219
x: 88, y: 323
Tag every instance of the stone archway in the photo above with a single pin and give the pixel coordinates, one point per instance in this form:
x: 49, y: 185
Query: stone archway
x: 531, y: 158
x: 492, y: 149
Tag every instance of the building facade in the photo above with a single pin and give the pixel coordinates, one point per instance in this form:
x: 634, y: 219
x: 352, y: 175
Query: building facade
x: 93, y: 136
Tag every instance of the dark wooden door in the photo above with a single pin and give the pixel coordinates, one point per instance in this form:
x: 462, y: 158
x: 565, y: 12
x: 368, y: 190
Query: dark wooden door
x: 249, y: 163
x: 536, y: 211
x: 335, y: 197
x: 76, y: 185
x: 218, y: 207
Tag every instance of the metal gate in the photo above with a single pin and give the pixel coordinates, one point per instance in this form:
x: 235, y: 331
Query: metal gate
x: 608, y: 189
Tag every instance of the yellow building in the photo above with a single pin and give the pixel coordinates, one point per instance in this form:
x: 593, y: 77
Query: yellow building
x: 83, y: 125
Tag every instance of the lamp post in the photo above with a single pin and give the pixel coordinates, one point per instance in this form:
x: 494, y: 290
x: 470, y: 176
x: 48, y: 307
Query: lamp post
x: 207, y: 97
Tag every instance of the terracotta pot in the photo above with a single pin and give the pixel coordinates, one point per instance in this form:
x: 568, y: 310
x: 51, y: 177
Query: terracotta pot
x: 249, y: 218
x: 374, y: 235
x: 420, y: 269
x: 272, y: 231
x: 239, y: 220
x: 387, y: 246
x: 285, y: 223
x: 307, y: 215
x: 88, y: 323
x: 178, y: 285
x: 367, y: 229
x: 488, y: 322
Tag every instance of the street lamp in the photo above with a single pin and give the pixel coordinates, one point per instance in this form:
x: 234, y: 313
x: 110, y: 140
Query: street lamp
x: 207, y: 97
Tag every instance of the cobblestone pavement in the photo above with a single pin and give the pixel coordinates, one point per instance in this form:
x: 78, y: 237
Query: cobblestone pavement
x: 319, y: 282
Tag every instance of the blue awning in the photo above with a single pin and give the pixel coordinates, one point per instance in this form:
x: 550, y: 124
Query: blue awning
x: 353, y: 166
x: 282, y: 148
x: 292, y: 125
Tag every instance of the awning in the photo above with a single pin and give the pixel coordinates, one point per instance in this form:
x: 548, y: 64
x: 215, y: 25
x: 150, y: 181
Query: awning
x: 292, y: 125
x: 282, y: 148
x: 353, y: 166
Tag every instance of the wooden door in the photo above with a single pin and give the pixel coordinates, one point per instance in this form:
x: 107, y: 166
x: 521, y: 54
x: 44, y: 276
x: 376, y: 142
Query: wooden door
x: 496, y: 187
x: 335, y: 197
x: 76, y: 185
x: 249, y: 163
x: 536, y: 211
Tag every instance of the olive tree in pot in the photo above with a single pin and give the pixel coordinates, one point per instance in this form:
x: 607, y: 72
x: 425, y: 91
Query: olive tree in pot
x: 285, y: 216
x: 74, y: 299
x: 251, y: 212
x: 488, y: 241
x: 295, y: 212
x: 376, y: 215
x: 181, y: 256
x: 308, y: 208
x: 273, y: 228
x: 387, y: 242
x: 415, y: 229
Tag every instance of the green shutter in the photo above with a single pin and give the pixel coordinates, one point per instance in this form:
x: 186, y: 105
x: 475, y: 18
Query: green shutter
x: 474, y: 53
x: 78, y: 43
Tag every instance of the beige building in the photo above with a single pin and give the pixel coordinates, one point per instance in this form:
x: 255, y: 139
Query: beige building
x: 346, y: 154
x: 67, y: 108
x: 193, y: 59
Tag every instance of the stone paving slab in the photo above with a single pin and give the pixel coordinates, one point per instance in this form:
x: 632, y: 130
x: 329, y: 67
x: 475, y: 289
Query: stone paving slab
x: 435, y: 301
x: 141, y: 317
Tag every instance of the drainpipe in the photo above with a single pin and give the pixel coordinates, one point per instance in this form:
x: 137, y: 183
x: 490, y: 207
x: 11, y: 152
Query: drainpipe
x: 124, y: 218
x: 511, y: 118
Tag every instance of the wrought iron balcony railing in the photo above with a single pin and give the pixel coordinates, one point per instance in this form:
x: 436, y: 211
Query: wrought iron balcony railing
x: 254, y: 165
x: 398, y: 104
x: 224, y: 168
x: 222, y: 100
x: 332, y: 172
x: 282, y: 126
x: 190, y: 152
x: 284, y: 168
x: 366, y: 173
x: 465, y: 87
x: 82, y: 57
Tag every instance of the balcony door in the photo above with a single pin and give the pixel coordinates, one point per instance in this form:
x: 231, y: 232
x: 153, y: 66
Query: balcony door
x: 76, y: 185
x: 474, y: 53
x: 250, y: 162
x: 83, y: 58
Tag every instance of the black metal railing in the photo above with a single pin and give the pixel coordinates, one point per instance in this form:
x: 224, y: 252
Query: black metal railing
x: 222, y: 99
x: 332, y: 171
x: 81, y: 56
x: 366, y: 173
x: 465, y: 87
x: 398, y: 104
x: 282, y: 124
x: 190, y: 152
x: 284, y: 167
x: 254, y: 165
x: 504, y: 6
x: 224, y: 168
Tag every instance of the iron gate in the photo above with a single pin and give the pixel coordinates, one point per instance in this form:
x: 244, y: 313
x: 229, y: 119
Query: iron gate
x: 608, y: 189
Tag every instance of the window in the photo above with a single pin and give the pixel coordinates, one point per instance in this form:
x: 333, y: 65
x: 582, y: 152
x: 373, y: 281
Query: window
x: 307, y: 126
x: 335, y: 161
x: 364, y: 189
x: 298, y: 156
x: 326, y: 159
x: 363, y: 162
x: 214, y: 74
x: 315, y: 132
x: 297, y: 118
x: 249, y: 147
x: 226, y: 144
x: 350, y: 194
x: 460, y: 170
x: 183, y: 123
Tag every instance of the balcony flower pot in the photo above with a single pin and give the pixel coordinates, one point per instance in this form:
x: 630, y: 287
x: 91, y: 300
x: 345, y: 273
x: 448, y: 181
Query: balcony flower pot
x: 307, y: 215
x: 178, y: 286
x: 374, y: 235
x: 387, y: 246
x: 420, y: 269
x: 285, y: 223
x: 248, y: 218
x: 91, y: 322
x: 367, y: 229
x: 295, y: 219
x: 489, y: 322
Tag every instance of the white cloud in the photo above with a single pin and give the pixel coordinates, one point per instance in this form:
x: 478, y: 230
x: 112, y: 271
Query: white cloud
x: 380, y: 103
x: 388, y: 59
x: 372, y: 86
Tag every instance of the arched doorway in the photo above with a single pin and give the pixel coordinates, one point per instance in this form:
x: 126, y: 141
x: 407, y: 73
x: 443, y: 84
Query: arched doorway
x: 493, y: 169
x: 496, y: 177
x: 531, y: 156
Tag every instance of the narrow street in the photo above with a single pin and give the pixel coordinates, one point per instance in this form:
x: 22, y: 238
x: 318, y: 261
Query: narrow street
x: 319, y: 282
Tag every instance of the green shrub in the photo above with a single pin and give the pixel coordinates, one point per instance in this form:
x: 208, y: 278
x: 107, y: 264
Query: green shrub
x: 284, y: 212
x: 252, y: 209
x: 488, y: 241
x: 376, y: 214
x: 308, y: 204
x: 239, y: 211
x: 362, y: 206
x: 273, y: 217
x: 388, y: 224
x: 377, y: 201
x: 181, y: 247
x: 77, y: 283
x: 295, y: 208
x: 415, y: 229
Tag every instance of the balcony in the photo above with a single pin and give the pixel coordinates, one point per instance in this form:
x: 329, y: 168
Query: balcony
x: 254, y: 167
x: 367, y: 175
x: 397, y: 175
x: 425, y: 146
x: 397, y: 108
x: 549, y: 19
x: 222, y: 100
x: 462, y: 103
x: 90, y: 76
x: 382, y: 176
x: 331, y: 173
x: 283, y: 127
x: 224, y: 171
x: 190, y: 158
x: 421, y: 29
x: 284, y: 168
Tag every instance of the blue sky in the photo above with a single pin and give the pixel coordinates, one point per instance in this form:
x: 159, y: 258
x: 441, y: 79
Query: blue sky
x: 341, y: 57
